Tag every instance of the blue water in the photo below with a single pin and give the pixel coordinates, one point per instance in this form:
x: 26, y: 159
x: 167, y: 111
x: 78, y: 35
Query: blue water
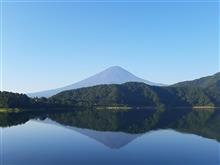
x: 46, y: 142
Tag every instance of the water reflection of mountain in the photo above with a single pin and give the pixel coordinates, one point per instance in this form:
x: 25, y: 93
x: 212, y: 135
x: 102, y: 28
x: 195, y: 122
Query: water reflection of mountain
x: 112, y: 140
x: 107, y: 126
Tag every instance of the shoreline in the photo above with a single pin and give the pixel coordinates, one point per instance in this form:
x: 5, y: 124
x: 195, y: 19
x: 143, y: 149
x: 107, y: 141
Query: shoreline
x: 18, y: 110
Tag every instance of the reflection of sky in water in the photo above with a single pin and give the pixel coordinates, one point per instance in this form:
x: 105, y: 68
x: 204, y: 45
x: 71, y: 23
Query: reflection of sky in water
x: 40, y: 143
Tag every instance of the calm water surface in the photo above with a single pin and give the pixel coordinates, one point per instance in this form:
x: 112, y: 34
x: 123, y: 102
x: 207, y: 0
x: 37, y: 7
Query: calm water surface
x: 143, y: 137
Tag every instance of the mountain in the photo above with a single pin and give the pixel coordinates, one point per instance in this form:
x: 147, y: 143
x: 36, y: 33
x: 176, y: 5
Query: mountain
x: 134, y: 94
x: 112, y: 75
x: 200, y: 92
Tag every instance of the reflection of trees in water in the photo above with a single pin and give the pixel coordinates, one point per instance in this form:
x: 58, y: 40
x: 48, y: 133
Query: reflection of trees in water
x: 11, y: 119
x: 205, y: 123
x: 201, y: 122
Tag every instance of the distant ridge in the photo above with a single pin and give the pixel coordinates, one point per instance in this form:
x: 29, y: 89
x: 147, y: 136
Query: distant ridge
x: 203, y: 82
x: 112, y: 75
x: 211, y: 85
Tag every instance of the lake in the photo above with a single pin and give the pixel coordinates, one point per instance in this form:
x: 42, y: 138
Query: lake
x: 137, y: 137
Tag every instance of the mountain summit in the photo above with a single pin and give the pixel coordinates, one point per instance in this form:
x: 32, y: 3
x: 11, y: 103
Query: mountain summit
x: 112, y: 75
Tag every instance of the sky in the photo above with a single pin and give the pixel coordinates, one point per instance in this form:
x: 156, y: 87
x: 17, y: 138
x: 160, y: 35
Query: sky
x: 46, y: 45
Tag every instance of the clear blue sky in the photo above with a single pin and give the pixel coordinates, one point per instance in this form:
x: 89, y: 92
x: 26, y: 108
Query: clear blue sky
x: 49, y: 45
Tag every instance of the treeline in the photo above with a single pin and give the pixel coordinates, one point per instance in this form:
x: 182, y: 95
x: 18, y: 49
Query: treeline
x: 13, y: 100
x: 16, y: 100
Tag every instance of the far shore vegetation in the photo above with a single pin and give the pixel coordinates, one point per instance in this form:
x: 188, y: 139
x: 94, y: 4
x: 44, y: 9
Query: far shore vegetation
x: 202, y: 93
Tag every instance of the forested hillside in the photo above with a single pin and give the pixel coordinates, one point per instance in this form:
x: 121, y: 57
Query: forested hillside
x: 200, y: 92
x: 134, y: 94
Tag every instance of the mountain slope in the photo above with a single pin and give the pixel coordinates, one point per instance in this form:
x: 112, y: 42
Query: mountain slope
x: 210, y: 84
x: 112, y: 75
x: 203, y: 82
x: 135, y: 95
